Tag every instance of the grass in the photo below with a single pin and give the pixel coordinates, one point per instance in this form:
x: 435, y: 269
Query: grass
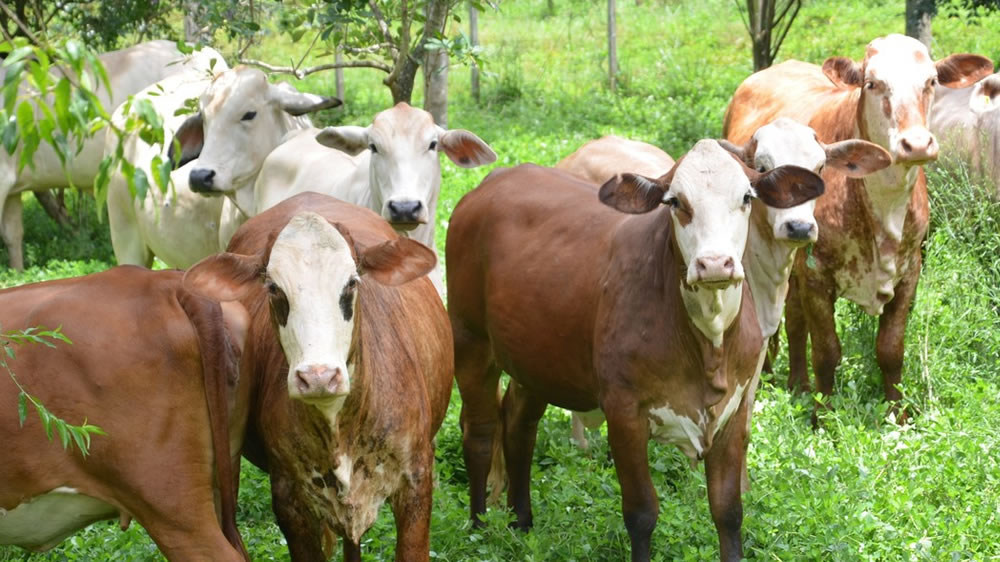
x: 860, y: 488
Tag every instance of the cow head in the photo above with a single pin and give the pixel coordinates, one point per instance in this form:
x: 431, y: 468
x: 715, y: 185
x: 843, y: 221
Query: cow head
x: 314, y: 278
x: 785, y: 141
x: 709, y: 194
x: 242, y: 118
x: 404, y: 169
x: 897, y: 80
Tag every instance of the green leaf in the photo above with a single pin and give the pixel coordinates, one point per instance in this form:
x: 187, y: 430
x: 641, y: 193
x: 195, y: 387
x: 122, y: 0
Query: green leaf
x: 80, y: 438
x: 61, y: 103
x: 10, y: 136
x: 22, y: 407
x: 101, y: 183
x: 63, y: 433
x: 141, y: 183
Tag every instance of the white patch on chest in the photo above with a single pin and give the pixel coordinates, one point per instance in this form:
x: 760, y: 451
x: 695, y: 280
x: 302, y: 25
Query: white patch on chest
x: 667, y: 426
x: 730, y: 408
x: 44, y: 521
x: 712, y: 311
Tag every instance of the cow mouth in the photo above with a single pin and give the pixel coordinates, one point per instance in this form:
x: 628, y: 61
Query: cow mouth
x: 406, y: 226
x: 716, y: 284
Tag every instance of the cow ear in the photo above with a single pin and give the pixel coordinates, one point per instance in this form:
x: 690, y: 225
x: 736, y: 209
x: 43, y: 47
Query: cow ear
x: 298, y: 103
x: 224, y: 277
x: 856, y: 158
x: 397, y: 261
x: 632, y: 193
x: 985, y: 95
x: 843, y: 71
x: 188, y: 138
x: 787, y: 186
x: 347, y: 138
x: 743, y: 153
x: 465, y: 149
x: 961, y: 70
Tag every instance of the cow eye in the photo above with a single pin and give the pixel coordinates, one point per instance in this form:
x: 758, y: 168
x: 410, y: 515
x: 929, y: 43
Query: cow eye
x: 371, y: 147
x: 434, y: 145
x: 347, y: 299
x: 279, y: 303
x: 746, y: 198
x: 761, y: 168
x: 352, y: 283
x: 870, y: 85
x: 248, y: 116
x: 672, y: 202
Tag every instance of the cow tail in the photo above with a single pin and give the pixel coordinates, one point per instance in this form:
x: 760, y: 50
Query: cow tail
x: 220, y: 364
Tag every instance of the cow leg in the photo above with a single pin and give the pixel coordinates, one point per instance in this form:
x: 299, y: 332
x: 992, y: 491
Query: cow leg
x: 199, y: 540
x: 798, y: 336
x: 477, y: 379
x: 521, y: 412
x: 12, y: 230
x: 352, y: 550
x: 302, y: 531
x: 826, y: 353
x: 579, y: 434
x: 411, y: 509
x: 724, y: 465
x: 126, y: 237
x: 891, y: 333
x: 628, y: 436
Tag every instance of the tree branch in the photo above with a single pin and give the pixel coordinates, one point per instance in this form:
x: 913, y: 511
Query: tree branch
x: 784, y: 32
x: 301, y: 73
x: 380, y: 20
x: 17, y: 21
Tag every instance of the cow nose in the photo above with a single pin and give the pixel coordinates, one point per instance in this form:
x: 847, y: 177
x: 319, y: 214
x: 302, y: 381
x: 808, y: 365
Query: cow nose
x: 320, y: 381
x: 715, y: 270
x: 801, y: 231
x: 405, y: 211
x: 202, y: 180
x: 916, y: 147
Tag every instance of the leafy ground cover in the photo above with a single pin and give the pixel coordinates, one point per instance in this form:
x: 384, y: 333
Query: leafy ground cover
x: 860, y: 488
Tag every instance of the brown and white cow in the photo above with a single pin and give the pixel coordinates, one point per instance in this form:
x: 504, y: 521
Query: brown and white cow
x: 349, y: 357
x: 150, y: 364
x: 642, y: 315
x: 968, y: 121
x: 871, y: 229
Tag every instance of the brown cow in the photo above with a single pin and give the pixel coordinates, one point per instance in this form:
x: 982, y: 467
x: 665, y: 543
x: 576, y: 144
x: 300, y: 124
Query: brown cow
x: 641, y: 316
x: 149, y: 364
x: 871, y: 229
x: 348, y: 419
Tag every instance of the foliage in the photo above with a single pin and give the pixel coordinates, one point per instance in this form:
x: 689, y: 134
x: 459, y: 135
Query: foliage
x: 860, y: 488
x: 51, y: 423
x: 768, y: 23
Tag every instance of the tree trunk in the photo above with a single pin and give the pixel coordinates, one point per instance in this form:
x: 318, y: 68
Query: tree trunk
x: 436, y: 86
x: 338, y: 75
x: 612, y: 46
x: 194, y: 23
x: 918, y: 20
x: 761, y: 24
x: 400, y: 81
x: 474, y: 40
x: 55, y: 208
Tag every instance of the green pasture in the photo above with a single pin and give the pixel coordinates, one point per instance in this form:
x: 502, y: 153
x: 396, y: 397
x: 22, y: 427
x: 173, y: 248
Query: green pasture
x: 860, y: 488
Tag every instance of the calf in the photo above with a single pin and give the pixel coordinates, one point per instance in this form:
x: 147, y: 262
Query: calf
x: 391, y: 167
x: 153, y: 374
x: 350, y: 363
x: 871, y: 229
x: 641, y: 316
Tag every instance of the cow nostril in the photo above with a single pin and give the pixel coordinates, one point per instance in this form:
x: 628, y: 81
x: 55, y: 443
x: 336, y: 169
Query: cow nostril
x: 905, y: 144
x: 729, y: 265
x: 405, y: 211
x: 302, y: 381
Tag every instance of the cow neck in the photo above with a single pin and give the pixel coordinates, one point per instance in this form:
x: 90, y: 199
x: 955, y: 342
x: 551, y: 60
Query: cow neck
x: 768, y: 264
x: 709, y: 312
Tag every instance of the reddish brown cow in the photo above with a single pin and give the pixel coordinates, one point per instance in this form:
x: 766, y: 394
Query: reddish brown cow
x: 350, y: 362
x: 643, y: 316
x: 149, y: 364
x: 870, y: 229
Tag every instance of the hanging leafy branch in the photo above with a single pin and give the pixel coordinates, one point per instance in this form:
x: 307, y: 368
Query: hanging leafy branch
x: 53, y: 424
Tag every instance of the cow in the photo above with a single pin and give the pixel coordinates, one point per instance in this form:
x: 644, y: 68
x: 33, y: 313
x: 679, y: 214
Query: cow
x: 871, y: 229
x: 775, y: 234
x: 967, y: 121
x: 642, y: 315
x: 599, y: 160
x: 129, y: 70
x: 156, y: 374
x: 391, y: 167
x: 349, y: 356
x: 242, y: 118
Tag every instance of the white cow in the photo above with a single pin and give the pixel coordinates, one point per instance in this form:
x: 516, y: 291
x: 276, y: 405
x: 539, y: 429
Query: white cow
x: 968, y: 122
x: 242, y: 118
x: 390, y: 167
x: 129, y: 70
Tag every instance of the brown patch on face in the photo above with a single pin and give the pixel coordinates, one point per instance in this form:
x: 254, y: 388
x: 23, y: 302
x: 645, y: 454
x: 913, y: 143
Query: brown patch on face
x: 886, y: 108
x: 683, y: 211
x: 920, y: 57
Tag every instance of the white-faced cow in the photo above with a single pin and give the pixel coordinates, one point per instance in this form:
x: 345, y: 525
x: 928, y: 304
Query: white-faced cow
x: 155, y: 373
x: 242, y: 118
x: 129, y: 70
x: 642, y: 315
x: 871, y: 229
x: 391, y: 167
x: 350, y: 362
x: 967, y: 120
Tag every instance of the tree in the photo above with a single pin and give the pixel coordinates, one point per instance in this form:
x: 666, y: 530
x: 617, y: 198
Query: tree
x: 918, y: 20
x: 768, y: 22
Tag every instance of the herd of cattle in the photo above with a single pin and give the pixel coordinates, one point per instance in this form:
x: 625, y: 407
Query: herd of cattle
x: 309, y: 335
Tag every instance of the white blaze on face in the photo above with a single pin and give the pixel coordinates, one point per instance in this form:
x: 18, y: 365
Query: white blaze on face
x: 787, y: 142
x: 711, y: 199
x: 405, y: 168
x: 311, y: 263
x: 898, y: 89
